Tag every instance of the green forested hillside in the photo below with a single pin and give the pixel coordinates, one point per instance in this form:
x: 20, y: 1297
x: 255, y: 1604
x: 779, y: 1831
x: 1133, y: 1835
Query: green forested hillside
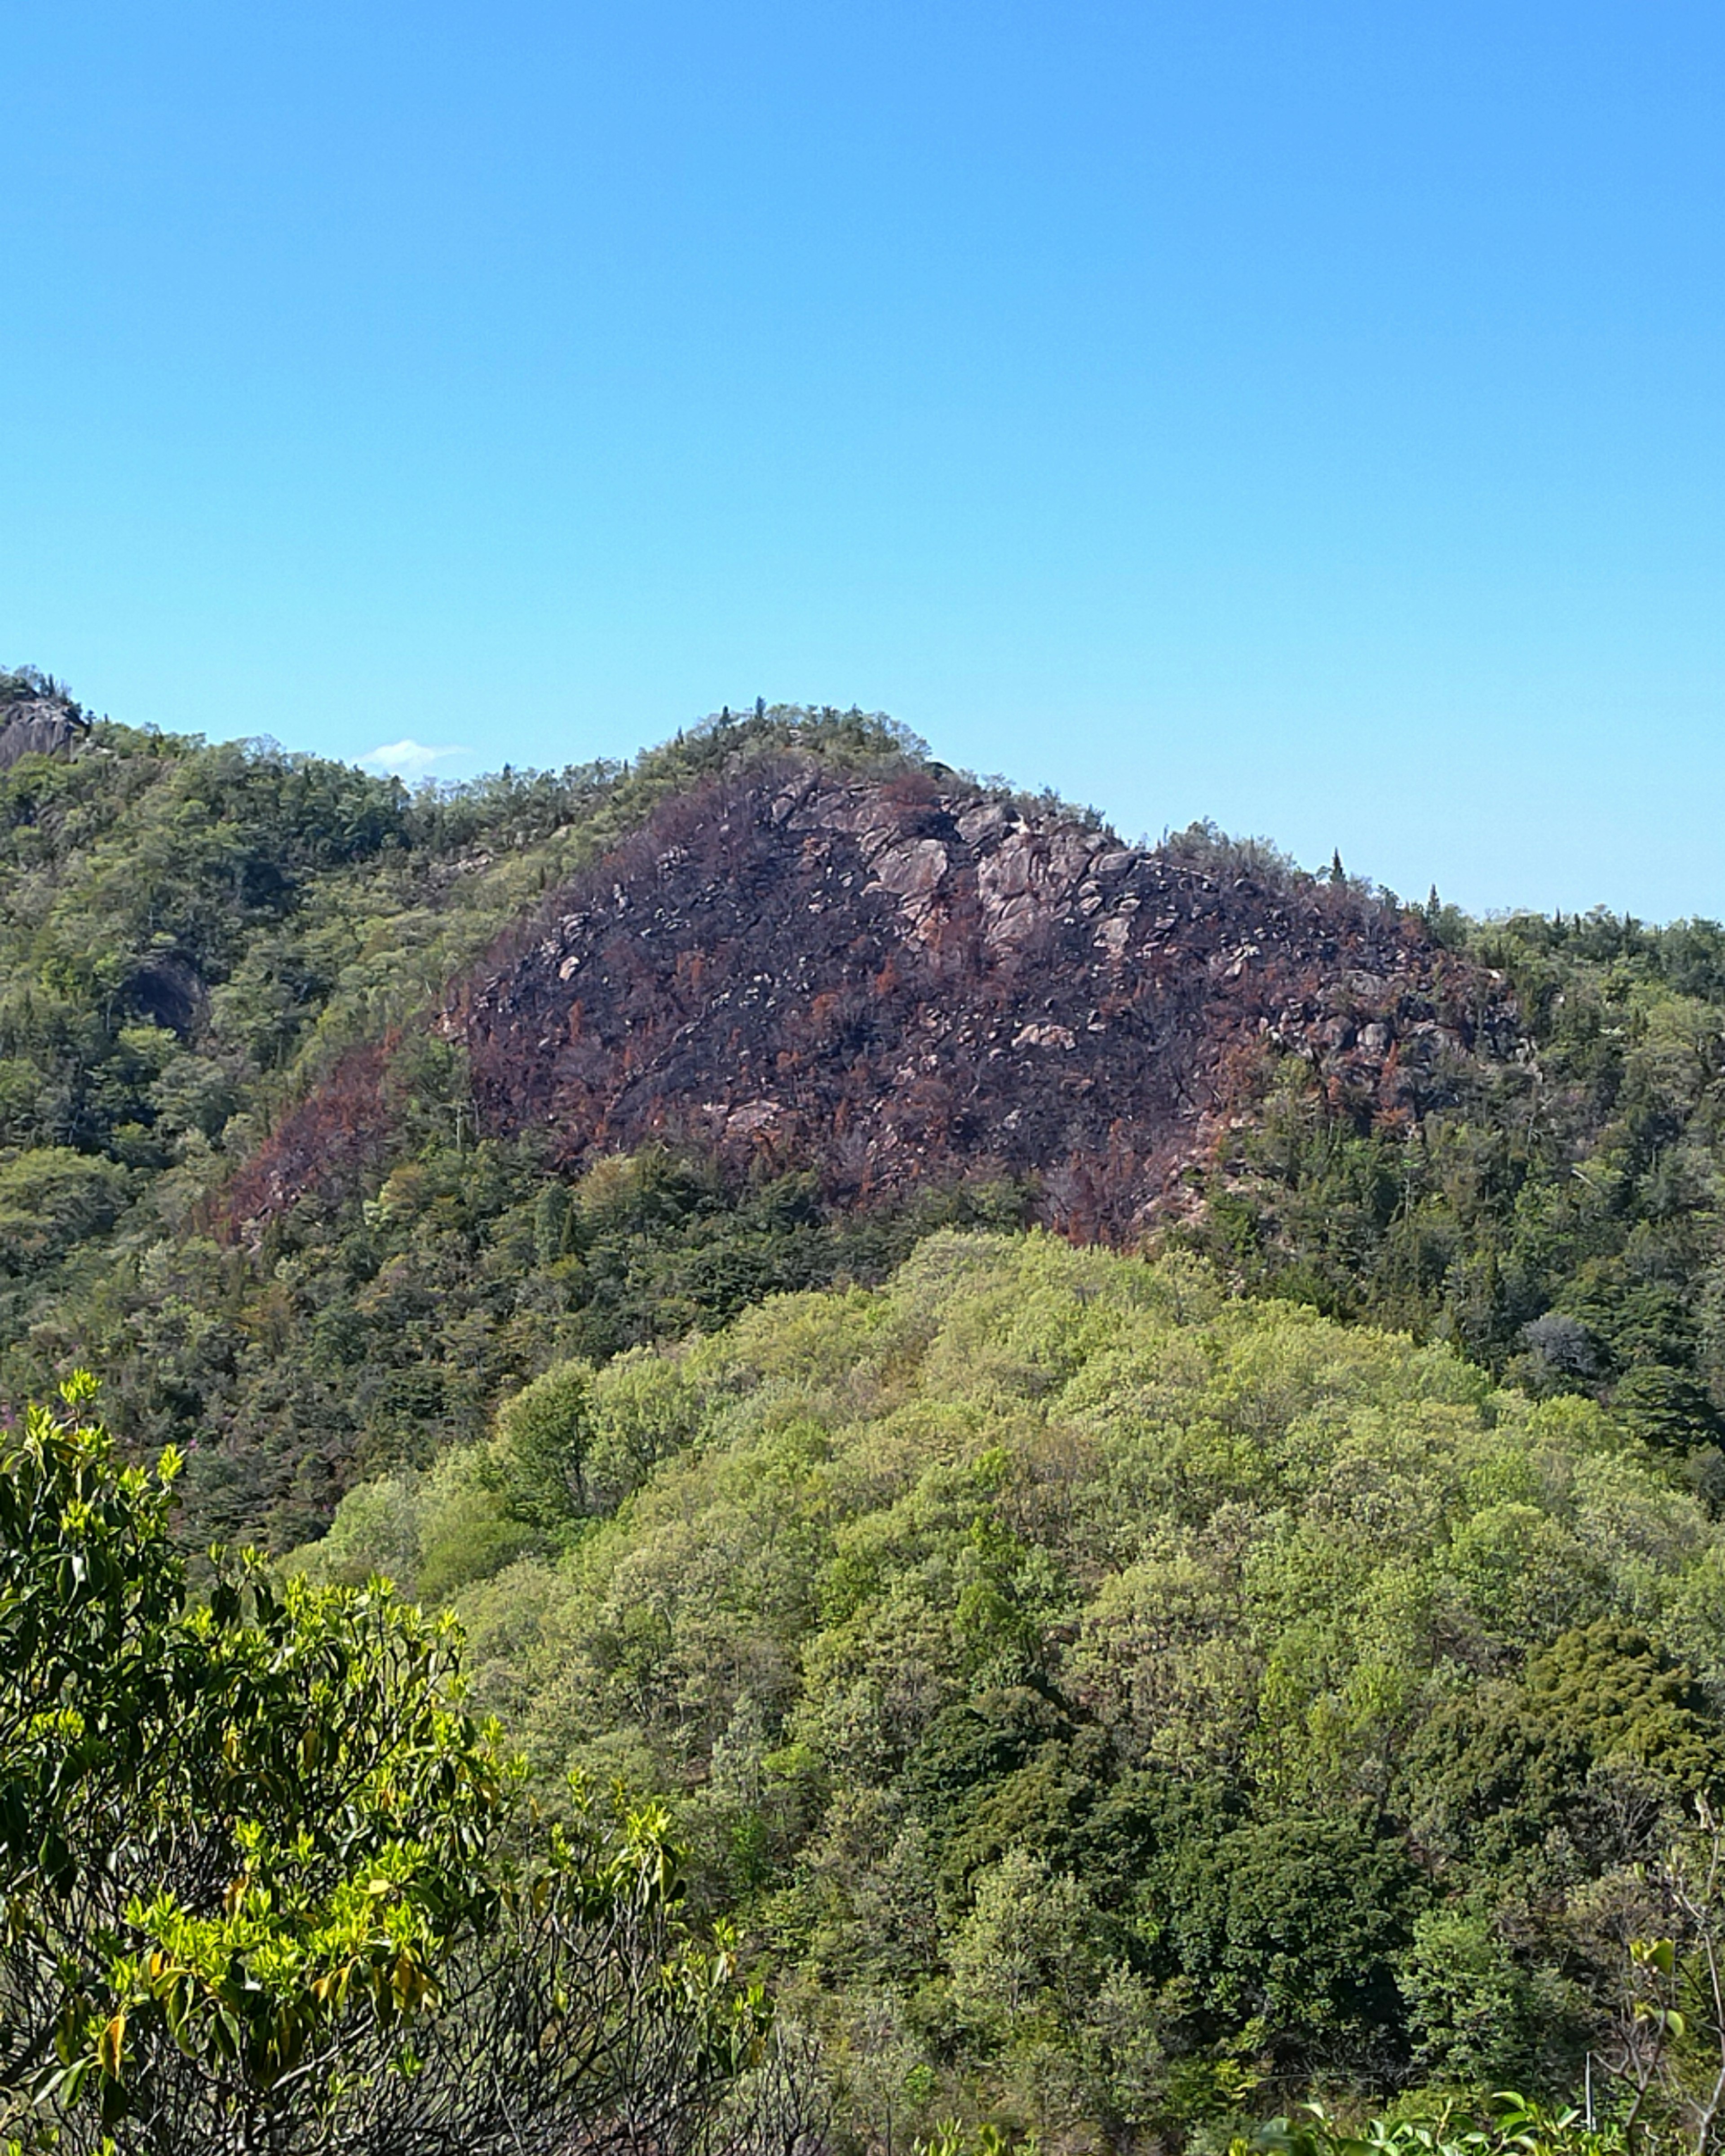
x: 191, y: 938
x: 1108, y: 1705
x: 1564, y: 1220
x: 1115, y: 1693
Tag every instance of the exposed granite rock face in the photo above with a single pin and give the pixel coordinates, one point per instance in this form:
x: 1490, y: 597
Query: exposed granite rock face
x: 894, y: 983
x: 39, y: 725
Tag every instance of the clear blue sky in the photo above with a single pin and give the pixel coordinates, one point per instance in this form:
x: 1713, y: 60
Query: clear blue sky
x: 1306, y: 415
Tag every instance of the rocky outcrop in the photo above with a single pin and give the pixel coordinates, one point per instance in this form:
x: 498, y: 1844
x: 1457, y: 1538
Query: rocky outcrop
x: 38, y: 725
x: 902, y: 982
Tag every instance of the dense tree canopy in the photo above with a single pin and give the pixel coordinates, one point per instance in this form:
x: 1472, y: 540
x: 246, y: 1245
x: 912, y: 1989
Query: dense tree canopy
x: 1562, y: 1221
x: 1101, y: 1699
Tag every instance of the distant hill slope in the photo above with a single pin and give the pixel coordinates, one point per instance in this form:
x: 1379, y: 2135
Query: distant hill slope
x: 330, y: 1113
x: 909, y: 981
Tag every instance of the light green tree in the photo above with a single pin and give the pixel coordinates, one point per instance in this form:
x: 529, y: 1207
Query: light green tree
x: 267, y: 1889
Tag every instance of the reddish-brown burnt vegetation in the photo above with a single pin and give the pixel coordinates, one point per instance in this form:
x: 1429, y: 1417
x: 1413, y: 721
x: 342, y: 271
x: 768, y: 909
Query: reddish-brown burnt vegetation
x: 902, y: 982
x: 330, y: 1143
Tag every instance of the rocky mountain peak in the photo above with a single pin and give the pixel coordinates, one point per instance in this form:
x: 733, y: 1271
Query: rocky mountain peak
x: 909, y: 980
x: 37, y: 717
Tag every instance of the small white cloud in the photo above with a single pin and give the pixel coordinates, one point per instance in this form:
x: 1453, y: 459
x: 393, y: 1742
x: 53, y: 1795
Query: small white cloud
x: 407, y: 759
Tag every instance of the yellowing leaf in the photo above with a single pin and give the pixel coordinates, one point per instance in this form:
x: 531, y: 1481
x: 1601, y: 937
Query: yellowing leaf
x: 109, y: 2045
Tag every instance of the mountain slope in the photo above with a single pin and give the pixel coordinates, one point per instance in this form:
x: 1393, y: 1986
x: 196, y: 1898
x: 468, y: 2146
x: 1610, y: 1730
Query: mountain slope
x: 1114, y: 1698
x: 329, y: 1115
x: 911, y: 982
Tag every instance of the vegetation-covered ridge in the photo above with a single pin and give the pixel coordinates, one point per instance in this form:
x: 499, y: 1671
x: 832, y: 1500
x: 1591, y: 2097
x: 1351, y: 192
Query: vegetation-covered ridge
x: 1561, y: 1218
x: 397, y: 1039
x: 1116, y: 1709
x: 1117, y: 1696
x: 219, y: 968
x: 194, y: 939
